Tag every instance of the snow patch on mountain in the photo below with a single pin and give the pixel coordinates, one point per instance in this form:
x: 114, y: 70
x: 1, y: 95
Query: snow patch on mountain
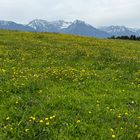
x: 61, y: 24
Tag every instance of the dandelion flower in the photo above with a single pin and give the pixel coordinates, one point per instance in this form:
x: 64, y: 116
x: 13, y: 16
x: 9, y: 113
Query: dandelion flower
x: 111, y: 130
x: 7, y: 118
x: 78, y: 121
x: 26, y: 130
x: 52, y: 117
x: 46, y: 119
x: 40, y: 91
x: 32, y: 118
x: 126, y: 113
x: 47, y: 123
x: 97, y: 101
x: 119, y: 116
x: 11, y: 128
x: 113, y: 136
x: 41, y: 121
x: 132, y: 102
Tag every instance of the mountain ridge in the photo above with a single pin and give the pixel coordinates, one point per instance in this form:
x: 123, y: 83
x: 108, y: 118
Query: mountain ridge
x: 77, y: 27
x: 116, y: 30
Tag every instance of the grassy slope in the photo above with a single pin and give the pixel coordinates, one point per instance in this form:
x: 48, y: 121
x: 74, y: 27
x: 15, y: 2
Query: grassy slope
x: 90, y: 88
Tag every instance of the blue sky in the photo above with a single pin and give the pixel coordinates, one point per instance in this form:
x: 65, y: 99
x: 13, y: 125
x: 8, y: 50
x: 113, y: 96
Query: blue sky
x: 95, y: 12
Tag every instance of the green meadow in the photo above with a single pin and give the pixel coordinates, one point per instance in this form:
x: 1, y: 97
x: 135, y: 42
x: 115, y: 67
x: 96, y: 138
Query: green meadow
x: 65, y: 87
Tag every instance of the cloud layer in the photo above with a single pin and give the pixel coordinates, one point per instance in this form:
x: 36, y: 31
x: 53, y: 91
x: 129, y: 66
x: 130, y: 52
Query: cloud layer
x: 95, y: 12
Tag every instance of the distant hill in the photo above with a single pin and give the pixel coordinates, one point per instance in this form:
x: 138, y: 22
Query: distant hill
x: 9, y: 25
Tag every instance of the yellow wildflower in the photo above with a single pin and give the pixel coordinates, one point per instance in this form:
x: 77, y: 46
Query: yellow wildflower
x: 126, y: 113
x: 111, y: 130
x: 78, y: 121
x: 11, y: 128
x: 46, y: 119
x: 41, y: 121
x: 113, y: 136
x: 97, y: 101
x: 33, y: 118
x: 52, y: 117
x: 26, y: 130
x: 47, y: 123
x: 7, y: 118
x: 40, y: 91
x: 119, y: 116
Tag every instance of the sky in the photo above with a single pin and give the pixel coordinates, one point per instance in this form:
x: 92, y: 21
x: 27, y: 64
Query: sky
x: 95, y: 12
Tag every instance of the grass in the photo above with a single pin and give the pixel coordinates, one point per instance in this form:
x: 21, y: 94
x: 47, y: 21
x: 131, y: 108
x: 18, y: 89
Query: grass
x: 64, y: 87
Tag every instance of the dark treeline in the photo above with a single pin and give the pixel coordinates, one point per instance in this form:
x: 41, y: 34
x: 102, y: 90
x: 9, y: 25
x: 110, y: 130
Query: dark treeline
x: 132, y: 37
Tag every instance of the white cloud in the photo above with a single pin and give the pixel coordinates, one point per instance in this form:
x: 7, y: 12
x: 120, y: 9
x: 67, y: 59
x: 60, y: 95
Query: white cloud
x: 95, y: 12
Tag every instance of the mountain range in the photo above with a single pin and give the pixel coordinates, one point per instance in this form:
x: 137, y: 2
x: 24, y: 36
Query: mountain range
x: 76, y: 27
x: 120, y: 30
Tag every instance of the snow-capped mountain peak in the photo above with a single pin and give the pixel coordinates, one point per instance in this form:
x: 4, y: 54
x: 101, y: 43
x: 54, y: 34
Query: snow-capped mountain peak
x: 38, y: 24
x: 119, y: 30
x: 77, y: 21
x: 53, y: 26
x: 61, y: 24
